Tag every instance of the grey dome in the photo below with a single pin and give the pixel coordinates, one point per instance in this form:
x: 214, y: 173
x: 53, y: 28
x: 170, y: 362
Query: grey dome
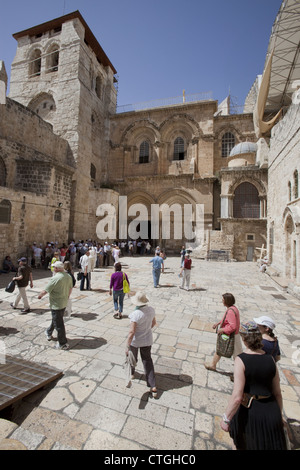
x: 242, y: 148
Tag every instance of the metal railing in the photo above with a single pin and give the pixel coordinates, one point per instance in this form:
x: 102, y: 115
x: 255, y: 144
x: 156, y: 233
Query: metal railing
x: 159, y: 103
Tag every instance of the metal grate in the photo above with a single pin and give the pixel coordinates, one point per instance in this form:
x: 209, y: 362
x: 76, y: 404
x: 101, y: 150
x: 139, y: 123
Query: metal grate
x: 246, y: 202
x: 19, y: 378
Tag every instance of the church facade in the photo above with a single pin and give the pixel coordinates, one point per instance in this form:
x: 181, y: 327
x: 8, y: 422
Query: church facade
x: 65, y: 149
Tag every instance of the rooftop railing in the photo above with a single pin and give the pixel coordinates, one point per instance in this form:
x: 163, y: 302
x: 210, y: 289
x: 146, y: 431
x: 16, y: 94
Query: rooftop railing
x: 159, y: 103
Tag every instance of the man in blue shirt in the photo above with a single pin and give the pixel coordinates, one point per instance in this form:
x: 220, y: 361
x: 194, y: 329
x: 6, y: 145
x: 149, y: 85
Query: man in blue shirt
x: 157, y: 268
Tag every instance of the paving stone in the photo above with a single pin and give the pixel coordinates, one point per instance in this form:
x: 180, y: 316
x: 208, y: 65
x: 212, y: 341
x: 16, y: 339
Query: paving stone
x: 90, y: 407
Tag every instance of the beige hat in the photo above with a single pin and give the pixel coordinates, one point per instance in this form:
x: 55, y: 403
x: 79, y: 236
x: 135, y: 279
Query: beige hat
x: 139, y: 299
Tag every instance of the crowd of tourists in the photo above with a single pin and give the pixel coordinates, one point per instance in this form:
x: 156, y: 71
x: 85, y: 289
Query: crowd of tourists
x: 254, y: 414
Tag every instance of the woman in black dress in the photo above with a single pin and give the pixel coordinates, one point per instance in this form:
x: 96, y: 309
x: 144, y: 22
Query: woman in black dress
x: 254, y: 413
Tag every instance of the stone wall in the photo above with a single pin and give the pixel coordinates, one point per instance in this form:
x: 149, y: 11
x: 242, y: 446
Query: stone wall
x: 38, y: 178
x: 284, y: 205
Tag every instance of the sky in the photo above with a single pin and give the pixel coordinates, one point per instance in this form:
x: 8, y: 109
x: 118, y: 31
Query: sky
x: 162, y: 47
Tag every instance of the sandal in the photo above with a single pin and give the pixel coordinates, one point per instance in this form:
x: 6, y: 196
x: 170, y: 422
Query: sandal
x: 210, y: 368
x: 120, y: 315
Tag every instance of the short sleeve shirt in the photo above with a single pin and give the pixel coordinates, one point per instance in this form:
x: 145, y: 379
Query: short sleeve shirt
x: 157, y: 262
x: 143, y: 317
x: 24, y: 271
x: 59, y: 289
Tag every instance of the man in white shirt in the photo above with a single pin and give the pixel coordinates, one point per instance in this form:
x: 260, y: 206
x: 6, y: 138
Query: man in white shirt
x: 85, y: 263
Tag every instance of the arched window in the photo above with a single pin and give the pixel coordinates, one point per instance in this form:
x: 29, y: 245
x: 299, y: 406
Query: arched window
x: 35, y: 63
x: 144, y: 152
x: 228, y: 142
x: 296, y: 184
x: 52, y: 59
x: 2, y: 173
x: 93, y: 172
x: 178, y: 149
x: 5, y: 211
x: 290, y: 191
x: 246, y: 202
x: 57, y: 215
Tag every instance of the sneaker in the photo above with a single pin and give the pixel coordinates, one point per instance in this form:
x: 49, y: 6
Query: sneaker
x: 12, y: 306
x: 64, y: 347
x: 25, y: 310
x: 49, y: 337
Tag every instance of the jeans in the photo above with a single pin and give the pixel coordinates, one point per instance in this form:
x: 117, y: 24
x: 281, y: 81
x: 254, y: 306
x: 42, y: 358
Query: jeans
x: 86, y: 278
x: 118, y: 298
x: 58, y: 324
x: 156, y: 276
x: 145, y: 352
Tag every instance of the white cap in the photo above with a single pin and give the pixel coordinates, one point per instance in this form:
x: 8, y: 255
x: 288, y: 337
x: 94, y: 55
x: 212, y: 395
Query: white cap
x: 265, y: 321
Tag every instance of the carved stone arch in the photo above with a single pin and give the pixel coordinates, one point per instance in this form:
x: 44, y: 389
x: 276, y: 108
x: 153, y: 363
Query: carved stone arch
x: 179, y: 123
x: 175, y: 195
x: 252, y: 180
x: 44, y: 105
x: 52, y: 55
x: 230, y: 128
x: 145, y: 126
x: 139, y: 196
x: 34, y: 60
x: 184, y: 128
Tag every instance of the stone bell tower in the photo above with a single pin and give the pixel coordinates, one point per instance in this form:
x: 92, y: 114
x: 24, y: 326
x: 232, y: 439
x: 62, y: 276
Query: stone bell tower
x: 61, y: 72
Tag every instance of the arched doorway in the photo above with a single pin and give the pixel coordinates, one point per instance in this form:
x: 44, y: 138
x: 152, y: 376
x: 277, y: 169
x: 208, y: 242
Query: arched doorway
x: 290, y: 248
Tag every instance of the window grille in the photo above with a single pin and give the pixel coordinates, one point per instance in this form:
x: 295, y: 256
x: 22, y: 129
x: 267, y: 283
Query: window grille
x: 178, y: 149
x: 144, y: 152
x: 246, y: 202
x: 228, y: 142
x: 57, y: 216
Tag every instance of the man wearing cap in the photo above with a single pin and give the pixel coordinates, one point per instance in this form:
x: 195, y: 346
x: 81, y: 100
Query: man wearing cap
x: 23, y: 277
x: 59, y: 289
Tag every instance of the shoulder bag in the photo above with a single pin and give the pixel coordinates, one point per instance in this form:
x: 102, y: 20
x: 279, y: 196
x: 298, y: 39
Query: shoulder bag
x: 11, y: 287
x: 126, y: 288
x: 225, y: 343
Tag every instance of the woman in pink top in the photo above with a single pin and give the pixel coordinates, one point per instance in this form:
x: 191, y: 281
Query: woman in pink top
x: 231, y: 325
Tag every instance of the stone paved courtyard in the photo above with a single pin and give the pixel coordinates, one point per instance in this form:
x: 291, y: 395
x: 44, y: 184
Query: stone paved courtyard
x: 90, y: 406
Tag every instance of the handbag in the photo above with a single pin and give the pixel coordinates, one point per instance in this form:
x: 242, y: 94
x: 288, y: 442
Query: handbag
x: 79, y: 276
x: 225, y: 343
x: 126, y: 288
x: 11, y: 287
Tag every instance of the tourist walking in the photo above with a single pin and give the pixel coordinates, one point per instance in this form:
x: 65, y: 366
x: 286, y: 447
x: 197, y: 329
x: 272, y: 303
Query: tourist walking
x: 85, y: 263
x: 229, y: 325
x: 269, y: 340
x: 253, y: 416
x: 157, y: 267
x: 23, y: 278
x: 186, y: 272
x: 59, y: 289
x: 116, y: 289
x: 140, y: 337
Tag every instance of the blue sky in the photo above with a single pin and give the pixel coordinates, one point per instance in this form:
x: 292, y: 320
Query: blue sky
x: 162, y: 47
